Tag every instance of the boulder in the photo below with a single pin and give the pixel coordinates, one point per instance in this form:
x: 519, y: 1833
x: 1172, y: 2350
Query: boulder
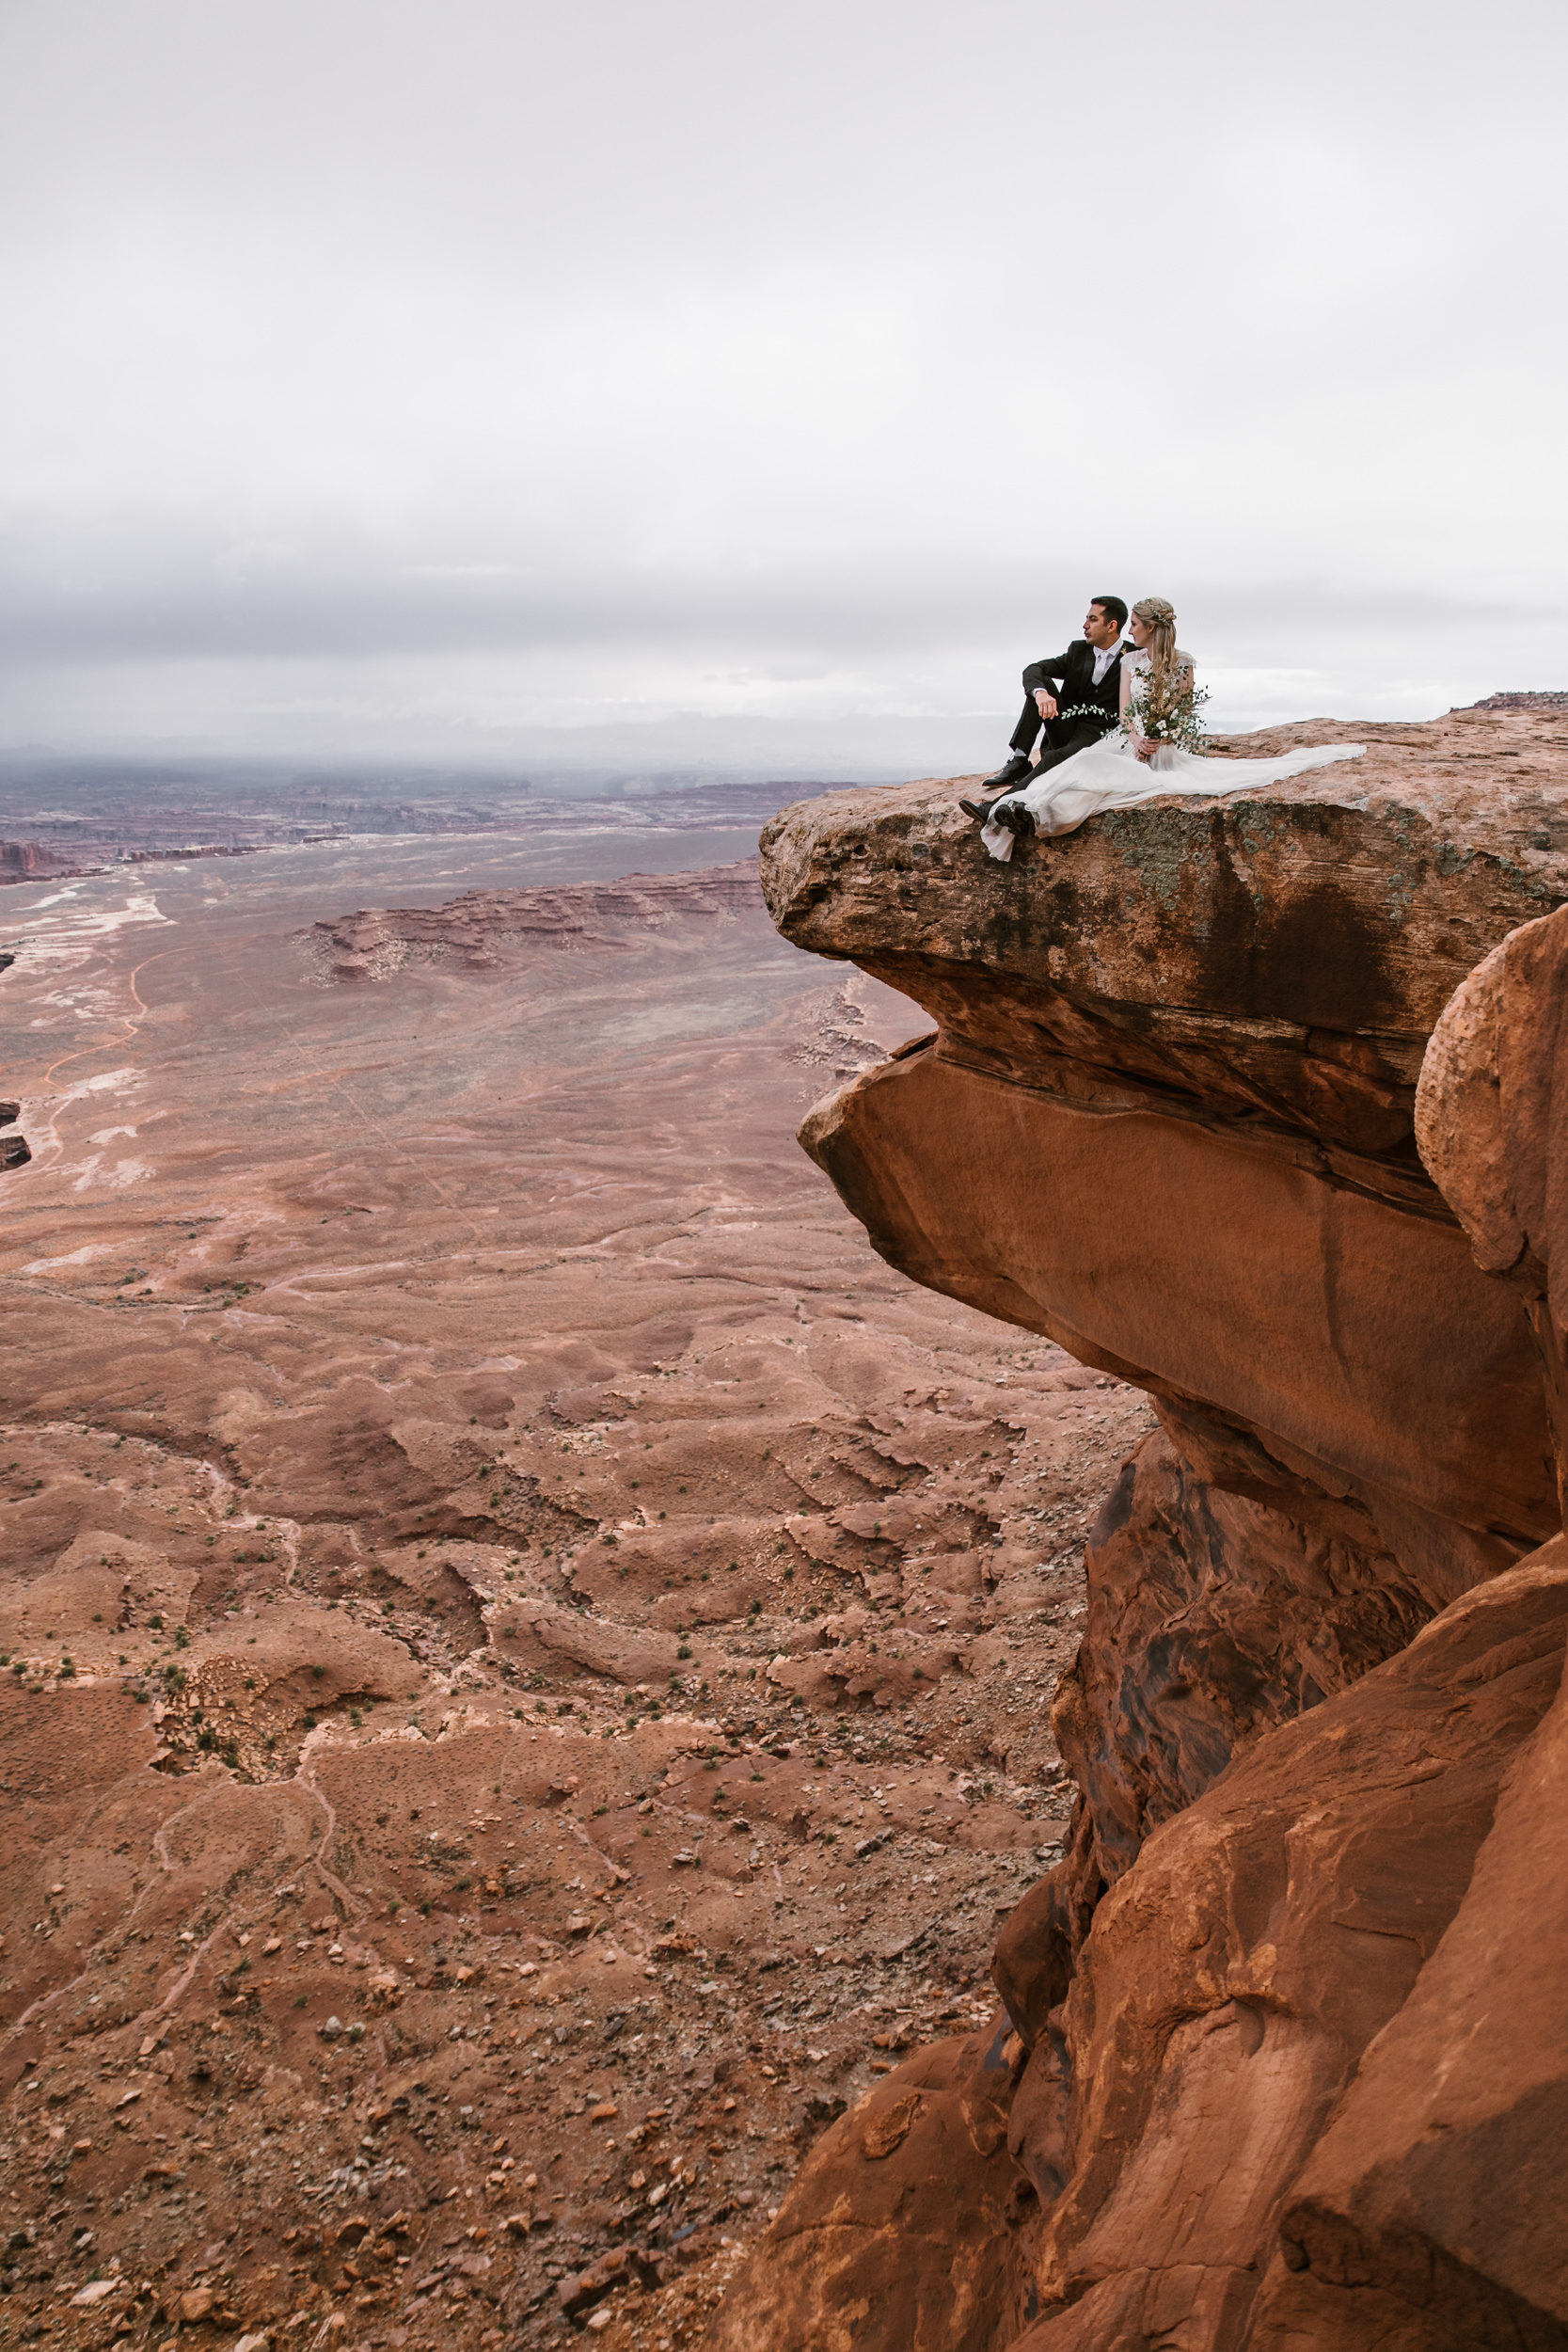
x: 1237, y: 2118
x: 1434, y: 2198
x: 1490, y: 1122
x: 907, y: 2224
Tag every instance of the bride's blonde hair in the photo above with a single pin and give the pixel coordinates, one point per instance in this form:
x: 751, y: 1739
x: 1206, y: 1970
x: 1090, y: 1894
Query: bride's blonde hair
x: 1158, y: 617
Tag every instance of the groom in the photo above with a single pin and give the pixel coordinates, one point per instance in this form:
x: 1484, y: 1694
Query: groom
x: 1084, y: 707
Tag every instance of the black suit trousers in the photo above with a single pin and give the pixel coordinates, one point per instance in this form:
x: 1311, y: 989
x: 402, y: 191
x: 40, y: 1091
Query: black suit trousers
x: 1063, y: 736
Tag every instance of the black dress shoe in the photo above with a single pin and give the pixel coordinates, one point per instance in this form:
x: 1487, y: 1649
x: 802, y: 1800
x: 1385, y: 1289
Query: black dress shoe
x: 1019, y: 820
x: 1018, y: 770
x: 979, y: 810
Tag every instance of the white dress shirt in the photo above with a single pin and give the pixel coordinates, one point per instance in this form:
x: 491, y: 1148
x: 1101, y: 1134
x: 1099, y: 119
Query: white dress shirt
x: 1103, y: 657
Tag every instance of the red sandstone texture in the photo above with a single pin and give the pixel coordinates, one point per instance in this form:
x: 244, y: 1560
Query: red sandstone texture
x: 528, y: 1648
x: 1285, y: 2060
x: 30, y: 861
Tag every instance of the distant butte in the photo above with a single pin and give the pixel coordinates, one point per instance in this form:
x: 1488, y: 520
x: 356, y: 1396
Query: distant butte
x: 29, y: 861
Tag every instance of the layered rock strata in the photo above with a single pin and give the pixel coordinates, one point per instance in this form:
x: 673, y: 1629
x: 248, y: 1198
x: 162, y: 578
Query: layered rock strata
x: 1260, y: 2086
x: 1198, y: 1020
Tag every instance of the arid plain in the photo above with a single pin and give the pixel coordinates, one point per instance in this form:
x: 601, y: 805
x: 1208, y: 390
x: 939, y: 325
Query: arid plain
x: 527, y: 1647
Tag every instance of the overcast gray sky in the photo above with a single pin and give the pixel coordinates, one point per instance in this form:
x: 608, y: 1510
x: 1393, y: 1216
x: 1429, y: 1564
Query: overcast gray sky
x: 413, y: 372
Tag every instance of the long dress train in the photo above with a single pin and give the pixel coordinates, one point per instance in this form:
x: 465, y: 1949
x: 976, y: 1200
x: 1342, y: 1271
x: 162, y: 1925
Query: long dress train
x: 1111, y: 775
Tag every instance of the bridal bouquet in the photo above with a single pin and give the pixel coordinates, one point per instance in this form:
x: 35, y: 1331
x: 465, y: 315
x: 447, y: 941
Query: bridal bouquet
x: 1163, y: 709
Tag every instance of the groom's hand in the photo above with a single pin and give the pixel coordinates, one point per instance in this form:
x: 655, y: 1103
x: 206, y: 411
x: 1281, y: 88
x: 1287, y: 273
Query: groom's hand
x: 1045, y: 704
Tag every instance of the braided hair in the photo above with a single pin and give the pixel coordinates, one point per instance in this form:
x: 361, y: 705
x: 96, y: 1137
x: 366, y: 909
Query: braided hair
x: 1158, y: 617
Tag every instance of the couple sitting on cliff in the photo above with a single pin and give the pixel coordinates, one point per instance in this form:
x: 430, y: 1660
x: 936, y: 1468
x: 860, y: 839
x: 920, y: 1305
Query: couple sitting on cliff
x: 1120, y: 726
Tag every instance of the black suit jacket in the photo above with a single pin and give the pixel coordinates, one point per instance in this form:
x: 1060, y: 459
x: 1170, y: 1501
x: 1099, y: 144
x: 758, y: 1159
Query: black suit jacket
x: 1071, y: 677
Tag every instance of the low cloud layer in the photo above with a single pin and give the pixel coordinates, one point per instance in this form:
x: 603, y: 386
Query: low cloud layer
x: 378, y: 372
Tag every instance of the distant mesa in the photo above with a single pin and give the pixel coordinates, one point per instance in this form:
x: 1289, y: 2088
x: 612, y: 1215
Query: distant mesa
x: 489, y: 930
x: 32, y: 861
x: 204, y: 848
x: 97, y: 817
x: 29, y: 861
x: 1534, y: 698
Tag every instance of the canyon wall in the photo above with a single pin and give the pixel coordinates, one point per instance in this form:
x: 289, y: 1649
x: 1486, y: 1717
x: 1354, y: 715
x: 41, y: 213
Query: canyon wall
x: 1280, y: 2062
x: 30, y: 861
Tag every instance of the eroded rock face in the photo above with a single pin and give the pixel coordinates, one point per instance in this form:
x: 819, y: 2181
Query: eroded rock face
x: 1235, y: 1977
x: 1439, y: 2188
x: 1213, y: 1617
x: 911, y: 2224
x: 1286, y: 952
x: 1355, y: 1338
x: 1169, y: 1116
x: 29, y: 861
x: 1196, y: 2157
x: 1167, y: 1112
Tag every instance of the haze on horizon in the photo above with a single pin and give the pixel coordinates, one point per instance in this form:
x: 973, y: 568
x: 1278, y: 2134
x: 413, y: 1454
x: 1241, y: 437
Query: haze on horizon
x: 400, y: 378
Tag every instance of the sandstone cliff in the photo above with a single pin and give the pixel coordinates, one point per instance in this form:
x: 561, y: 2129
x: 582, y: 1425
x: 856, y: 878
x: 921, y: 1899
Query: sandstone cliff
x: 30, y: 861
x: 1281, y: 2062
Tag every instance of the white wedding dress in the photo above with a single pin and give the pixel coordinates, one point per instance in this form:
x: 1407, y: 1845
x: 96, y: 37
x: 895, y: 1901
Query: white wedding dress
x: 1111, y: 775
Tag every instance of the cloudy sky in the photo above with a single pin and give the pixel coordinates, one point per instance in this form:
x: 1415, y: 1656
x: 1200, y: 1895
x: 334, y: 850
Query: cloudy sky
x: 418, y: 372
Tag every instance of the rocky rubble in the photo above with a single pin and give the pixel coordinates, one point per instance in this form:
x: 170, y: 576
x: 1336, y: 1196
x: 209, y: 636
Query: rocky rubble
x: 1280, y: 2061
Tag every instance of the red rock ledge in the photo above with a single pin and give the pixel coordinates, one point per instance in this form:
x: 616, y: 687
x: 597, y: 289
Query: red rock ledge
x: 1281, y: 2062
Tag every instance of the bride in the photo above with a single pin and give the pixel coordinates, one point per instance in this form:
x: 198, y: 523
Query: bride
x: 1127, y: 768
